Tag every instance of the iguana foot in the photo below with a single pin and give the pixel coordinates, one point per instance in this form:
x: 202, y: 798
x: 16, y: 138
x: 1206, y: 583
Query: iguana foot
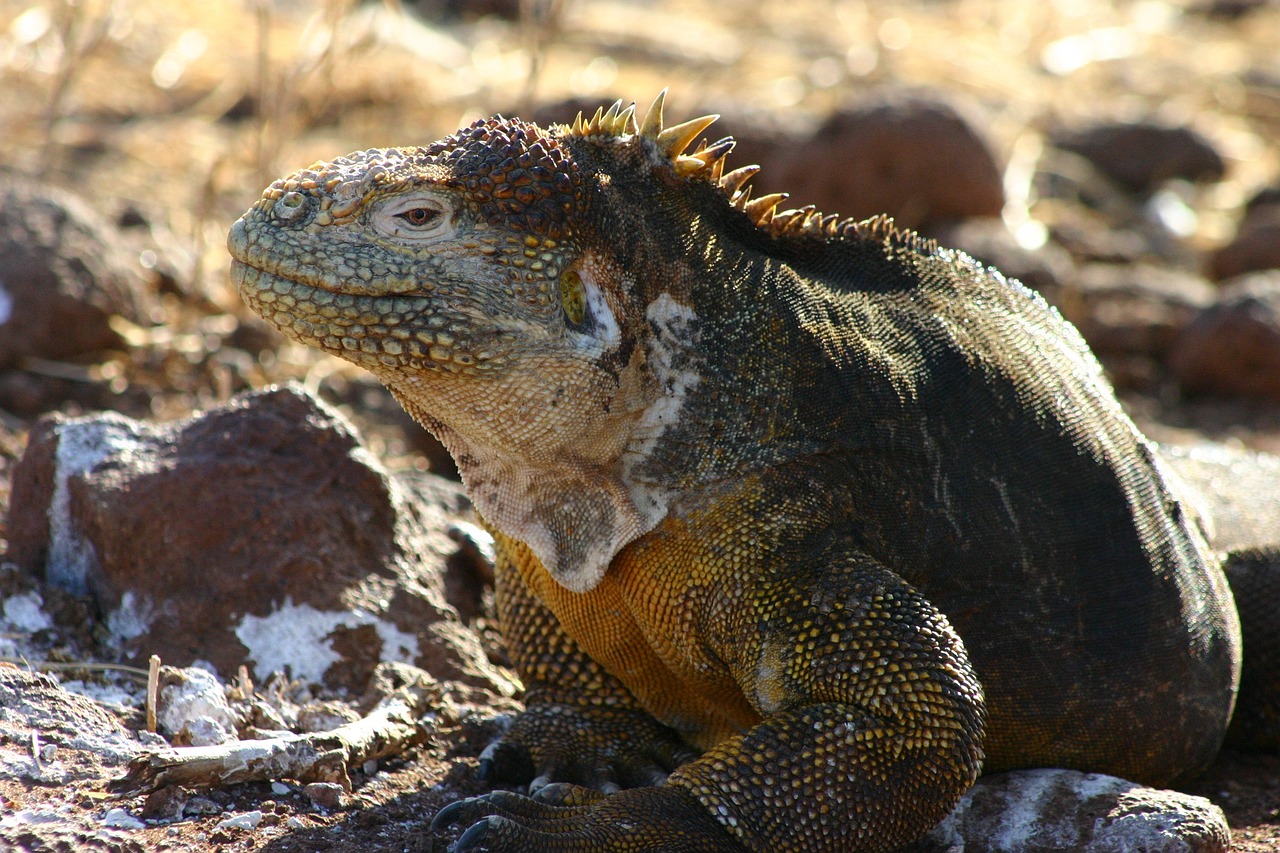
x: 603, y: 748
x: 665, y: 819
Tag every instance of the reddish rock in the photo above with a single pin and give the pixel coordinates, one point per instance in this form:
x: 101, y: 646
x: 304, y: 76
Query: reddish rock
x: 1259, y: 202
x: 1256, y: 245
x: 259, y: 533
x: 1046, y: 270
x: 1134, y: 309
x: 1142, y: 155
x: 1233, y: 347
x: 62, y: 276
x: 912, y: 154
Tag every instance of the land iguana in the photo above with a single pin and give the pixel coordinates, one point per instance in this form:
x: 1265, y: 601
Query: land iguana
x: 800, y: 520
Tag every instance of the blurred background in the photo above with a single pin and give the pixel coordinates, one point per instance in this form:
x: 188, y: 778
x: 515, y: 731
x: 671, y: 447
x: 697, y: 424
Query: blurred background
x: 1119, y: 157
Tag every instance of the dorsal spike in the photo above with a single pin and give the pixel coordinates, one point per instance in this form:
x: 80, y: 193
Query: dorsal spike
x: 577, y: 126
x: 717, y: 150
x: 784, y: 220
x: 733, y: 181
x: 593, y: 126
x: 673, y: 140
x: 686, y: 166
x: 652, y: 124
x: 627, y: 120
x: 717, y: 170
x: 761, y: 210
x: 610, y: 117
x: 741, y: 198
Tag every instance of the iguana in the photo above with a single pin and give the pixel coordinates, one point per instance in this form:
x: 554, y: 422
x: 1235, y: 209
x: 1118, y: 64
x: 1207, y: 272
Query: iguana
x: 797, y: 518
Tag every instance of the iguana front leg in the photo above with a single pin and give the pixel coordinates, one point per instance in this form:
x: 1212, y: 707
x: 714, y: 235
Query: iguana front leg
x: 872, y: 730
x: 580, y: 724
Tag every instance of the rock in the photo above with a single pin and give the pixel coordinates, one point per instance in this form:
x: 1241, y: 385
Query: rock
x: 244, y: 820
x: 326, y: 795
x: 1256, y: 246
x: 261, y: 533
x: 1134, y: 309
x: 192, y: 708
x: 912, y: 154
x: 1263, y: 201
x: 35, y: 708
x: 63, y: 276
x: 1236, y: 494
x: 1142, y: 155
x: 1228, y: 10
x: 470, y: 10
x: 324, y: 716
x: 1233, y: 346
x: 1046, y: 270
x: 1030, y: 811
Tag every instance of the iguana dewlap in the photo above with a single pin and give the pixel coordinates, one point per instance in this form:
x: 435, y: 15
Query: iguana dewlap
x: 779, y: 498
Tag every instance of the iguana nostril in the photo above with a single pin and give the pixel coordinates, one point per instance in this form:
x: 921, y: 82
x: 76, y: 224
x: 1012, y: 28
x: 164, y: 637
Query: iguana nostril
x: 292, y: 206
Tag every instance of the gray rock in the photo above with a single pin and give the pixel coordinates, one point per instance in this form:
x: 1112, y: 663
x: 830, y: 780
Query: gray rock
x: 74, y: 736
x: 192, y: 707
x: 1030, y: 811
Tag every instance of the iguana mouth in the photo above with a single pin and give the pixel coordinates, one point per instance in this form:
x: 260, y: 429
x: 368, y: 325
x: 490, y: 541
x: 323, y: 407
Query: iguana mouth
x: 387, y: 331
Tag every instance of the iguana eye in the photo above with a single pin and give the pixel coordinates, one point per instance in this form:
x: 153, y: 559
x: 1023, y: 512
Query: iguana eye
x: 415, y: 216
x: 419, y: 216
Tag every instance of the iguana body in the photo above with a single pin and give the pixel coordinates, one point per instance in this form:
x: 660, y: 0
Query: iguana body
x: 753, y: 475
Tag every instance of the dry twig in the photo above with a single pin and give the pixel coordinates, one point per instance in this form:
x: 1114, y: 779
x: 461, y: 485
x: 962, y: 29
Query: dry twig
x: 394, y: 725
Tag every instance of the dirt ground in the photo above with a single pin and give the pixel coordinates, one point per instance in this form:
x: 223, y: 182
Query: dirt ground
x: 178, y: 112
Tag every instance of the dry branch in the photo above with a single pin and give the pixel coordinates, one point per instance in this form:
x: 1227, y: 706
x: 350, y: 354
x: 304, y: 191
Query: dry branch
x: 395, y: 724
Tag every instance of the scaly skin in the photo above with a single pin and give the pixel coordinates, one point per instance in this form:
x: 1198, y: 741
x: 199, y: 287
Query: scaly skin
x: 753, y: 475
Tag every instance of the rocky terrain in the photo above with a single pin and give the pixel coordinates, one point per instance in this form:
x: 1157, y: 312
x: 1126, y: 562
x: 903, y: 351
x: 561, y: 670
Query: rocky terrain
x: 214, y: 537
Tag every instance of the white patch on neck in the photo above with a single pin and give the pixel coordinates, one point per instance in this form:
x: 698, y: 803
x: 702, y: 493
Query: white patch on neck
x: 671, y: 360
x: 605, y: 333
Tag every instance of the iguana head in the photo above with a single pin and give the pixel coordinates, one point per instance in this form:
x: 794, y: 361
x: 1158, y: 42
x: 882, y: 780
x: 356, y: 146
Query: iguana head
x: 481, y: 279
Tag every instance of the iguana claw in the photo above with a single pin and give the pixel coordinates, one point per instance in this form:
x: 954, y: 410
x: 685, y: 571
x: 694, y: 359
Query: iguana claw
x: 643, y: 820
